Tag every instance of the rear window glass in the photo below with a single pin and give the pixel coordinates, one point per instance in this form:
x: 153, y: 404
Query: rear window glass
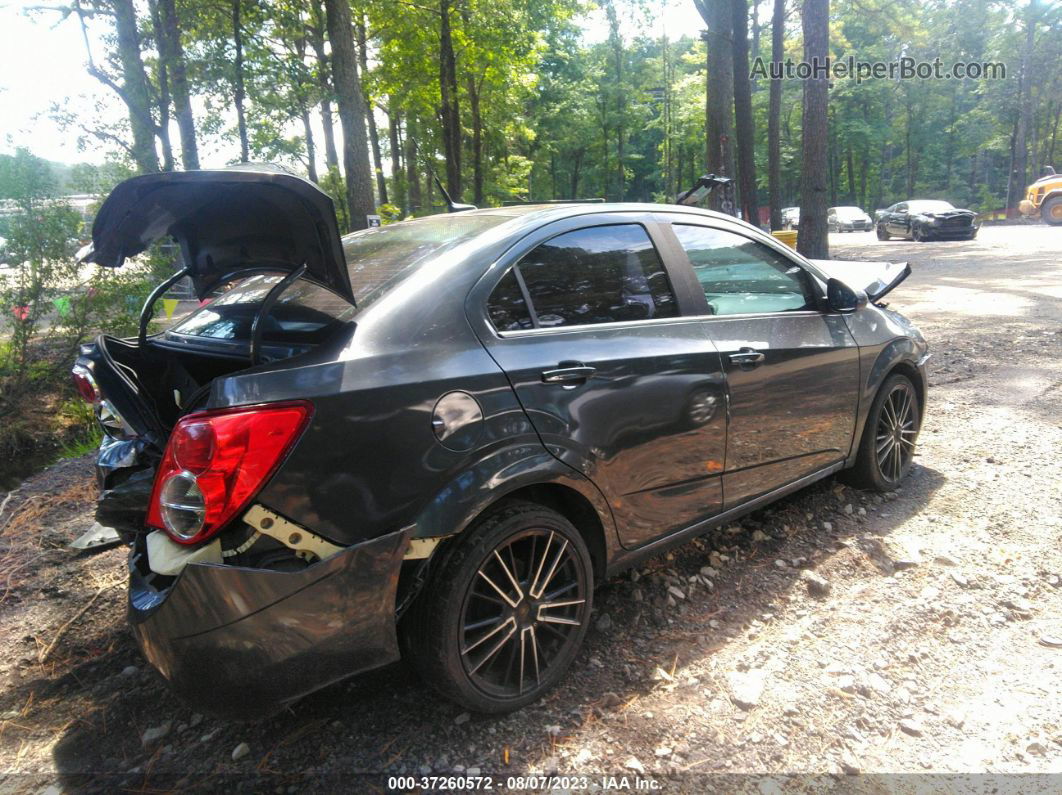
x: 380, y: 258
x: 304, y: 312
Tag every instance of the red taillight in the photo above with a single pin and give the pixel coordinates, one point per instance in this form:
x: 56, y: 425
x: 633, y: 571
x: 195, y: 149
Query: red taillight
x: 85, y: 384
x: 214, y: 464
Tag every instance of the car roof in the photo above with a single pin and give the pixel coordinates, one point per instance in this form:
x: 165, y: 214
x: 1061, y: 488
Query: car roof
x: 537, y: 214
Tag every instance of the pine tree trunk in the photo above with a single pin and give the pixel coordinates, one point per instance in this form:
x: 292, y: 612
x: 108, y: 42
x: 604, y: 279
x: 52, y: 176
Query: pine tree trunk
x: 311, y: 148
x: 171, y: 53
x: 812, y: 240
x: 719, y: 119
x: 239, y: 93
x: 477, y: 142
x: 1019, y: 170
x: 774, y: 113
x: 616, y: 43
x: 374, y: 134
x: 351, y: 104
x: 577, y: 162
x: 317, y: 39
x: 450, y: 110
x: 412, y: 167
x: 397, y: 187
x: 746, y: 132
x: 162, y: 101
x: 135, y: 90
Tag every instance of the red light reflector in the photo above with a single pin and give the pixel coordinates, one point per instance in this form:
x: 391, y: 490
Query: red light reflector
x: 193, y: 446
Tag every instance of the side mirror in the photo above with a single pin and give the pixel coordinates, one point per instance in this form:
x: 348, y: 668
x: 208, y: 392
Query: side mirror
x: 844, y: 299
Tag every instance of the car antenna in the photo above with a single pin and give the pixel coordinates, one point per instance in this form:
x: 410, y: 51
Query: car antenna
x: 451, y: 205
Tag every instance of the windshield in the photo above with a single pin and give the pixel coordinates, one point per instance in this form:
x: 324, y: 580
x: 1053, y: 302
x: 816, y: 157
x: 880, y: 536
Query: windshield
x: 928, y: 206
x: 380, y: 258
x: 848, y: 212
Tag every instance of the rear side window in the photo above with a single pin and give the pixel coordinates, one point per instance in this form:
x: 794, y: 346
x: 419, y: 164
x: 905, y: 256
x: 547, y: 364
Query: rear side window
x: 601, y: 274
x: 506, y: 307
x: 741, y: 276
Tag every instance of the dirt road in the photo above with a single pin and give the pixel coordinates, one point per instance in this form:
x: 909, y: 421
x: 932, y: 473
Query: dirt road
x: 835, y: 632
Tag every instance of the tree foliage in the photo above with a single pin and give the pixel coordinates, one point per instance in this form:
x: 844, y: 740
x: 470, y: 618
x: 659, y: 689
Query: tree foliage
x: 508, y: 100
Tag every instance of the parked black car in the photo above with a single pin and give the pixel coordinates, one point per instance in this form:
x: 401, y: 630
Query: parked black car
x: 440, y: 435
x: 926, y: 219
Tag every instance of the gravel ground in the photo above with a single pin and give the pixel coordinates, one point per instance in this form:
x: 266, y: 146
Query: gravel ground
x: 836, y: 632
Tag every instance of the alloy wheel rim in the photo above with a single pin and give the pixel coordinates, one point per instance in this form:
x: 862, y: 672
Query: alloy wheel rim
x: 895, y: 438
x: 522, y: 613
x: 702, y: 406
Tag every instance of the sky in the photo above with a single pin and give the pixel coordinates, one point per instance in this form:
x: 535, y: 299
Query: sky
x: 43, y: 63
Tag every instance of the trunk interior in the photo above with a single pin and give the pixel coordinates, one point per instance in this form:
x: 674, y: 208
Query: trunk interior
x: 169, y: 383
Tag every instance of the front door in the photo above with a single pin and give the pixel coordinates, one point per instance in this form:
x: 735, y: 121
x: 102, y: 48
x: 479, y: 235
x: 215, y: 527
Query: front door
x: 588, y: 328
x: 898, y: 222
x: 792, y: 369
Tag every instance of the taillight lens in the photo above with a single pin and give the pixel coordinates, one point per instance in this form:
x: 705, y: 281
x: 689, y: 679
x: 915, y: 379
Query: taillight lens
x: 215, y: 462
x: 86, y: 384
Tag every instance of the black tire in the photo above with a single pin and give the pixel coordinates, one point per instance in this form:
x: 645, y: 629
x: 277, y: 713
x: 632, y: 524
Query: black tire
x: 882, y: 234
x: 1051, y: 211
x: 870, y: 470
x: 461, y: 608
x: 918, y: 235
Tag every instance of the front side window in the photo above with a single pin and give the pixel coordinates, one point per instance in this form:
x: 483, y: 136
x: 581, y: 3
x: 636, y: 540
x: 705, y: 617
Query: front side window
x: 601, y: 274
x: 741, y: 276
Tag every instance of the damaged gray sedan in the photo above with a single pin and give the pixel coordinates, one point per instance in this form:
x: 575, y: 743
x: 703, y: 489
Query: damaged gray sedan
x: 435, y: 438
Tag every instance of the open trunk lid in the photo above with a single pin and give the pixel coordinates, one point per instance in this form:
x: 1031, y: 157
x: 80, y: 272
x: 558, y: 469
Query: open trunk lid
x: 876, y: 279
x: 224, y: 220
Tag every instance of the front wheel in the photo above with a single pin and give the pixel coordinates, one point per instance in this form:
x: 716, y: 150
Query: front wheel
x: 1051, y: 211
x: 886, y: 450
x: 882, y: 234
x: 918, y: 235
x: 506, y: 613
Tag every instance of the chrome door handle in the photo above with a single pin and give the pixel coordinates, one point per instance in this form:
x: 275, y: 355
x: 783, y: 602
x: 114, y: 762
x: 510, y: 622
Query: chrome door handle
x: 568, y: 375
x: 747, y: 357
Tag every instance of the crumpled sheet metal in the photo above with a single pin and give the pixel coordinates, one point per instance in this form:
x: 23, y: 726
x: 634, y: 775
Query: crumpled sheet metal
x: 96, y: 539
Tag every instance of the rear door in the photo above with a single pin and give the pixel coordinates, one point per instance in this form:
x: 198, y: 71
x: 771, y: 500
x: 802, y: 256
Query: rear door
x: 586, y: 321
x: 792, y: 369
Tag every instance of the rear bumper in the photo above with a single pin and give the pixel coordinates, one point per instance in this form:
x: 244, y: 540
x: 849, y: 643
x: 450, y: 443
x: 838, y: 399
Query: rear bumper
x: 242, y: 643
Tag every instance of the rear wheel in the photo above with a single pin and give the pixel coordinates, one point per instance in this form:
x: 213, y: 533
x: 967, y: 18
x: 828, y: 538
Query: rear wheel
x: 886, y: 450
x: 882, y: 234
x: 506, y: 613
x: 1051, y: 211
